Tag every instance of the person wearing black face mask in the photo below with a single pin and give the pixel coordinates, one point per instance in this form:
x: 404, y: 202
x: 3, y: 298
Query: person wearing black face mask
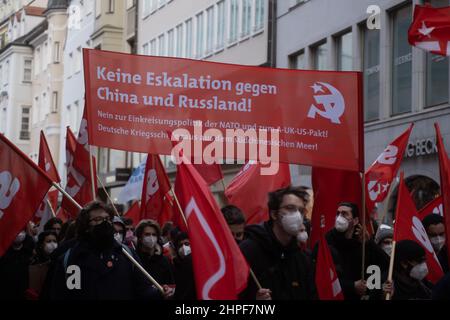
x: 105, y: 272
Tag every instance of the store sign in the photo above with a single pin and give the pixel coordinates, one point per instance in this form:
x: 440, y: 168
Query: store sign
x: 421, y: 147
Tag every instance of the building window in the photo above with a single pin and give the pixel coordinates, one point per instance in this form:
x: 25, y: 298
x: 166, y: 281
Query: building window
x: 200, y: 30
x: 161, y: 3
x: 437, y: 82
x: 188, y: 43
x: 402, y: 62
x: 259, y: 15
x: 145, y: 49
x: 110, y: 6
x: 234, y: 20
x: 246, y: 17
x: 220, y: 24
x: 25, y: 124
x: 344, y: 52
x: 152, y: 50
x: 98, y: 8
x: 146, y: 5
x: 56, y: 52
x: 161, y: 45
x: 320, y: 56
x: 209, y: 29
x: 298, y: 61
x: 171, y: 43
x: 55, y: 102
x: 179, y: 49
x: 371, y: 74
x: 27, y: 70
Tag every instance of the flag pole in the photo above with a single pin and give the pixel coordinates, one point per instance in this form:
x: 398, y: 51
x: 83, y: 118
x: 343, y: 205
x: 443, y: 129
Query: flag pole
x: 179, y: 207
x: 223, y: 184
x: 363, y: 260
x: 108, y: 196
x: 91, y: 166
x: 155, y: 283
x: 51, y: 208
x: 391, y: 267
x: 65, y: 194
x: 387, y: 203
x: 258, y: 284
x: 138, y: 265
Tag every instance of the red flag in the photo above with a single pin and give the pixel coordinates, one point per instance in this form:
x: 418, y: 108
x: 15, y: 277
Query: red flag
x: 155, y: 186
x: 435, y: 206
x: 330, y: 188
x: 78, y: 175
x: 408, y: 226
x: 44, y: 212
x: 23, y: 185
x: 430, y: 29
x: 250, y: 182
x: 211, y: 173
x: 444, y: 170
x: 134, y: 213
x: 327, y: 282
x: 46, y: 161
x: 380, y: 174
x: 220, y: 269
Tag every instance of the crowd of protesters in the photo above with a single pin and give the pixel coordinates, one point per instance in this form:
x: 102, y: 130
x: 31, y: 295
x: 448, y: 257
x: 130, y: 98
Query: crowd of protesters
x: 36, y: 266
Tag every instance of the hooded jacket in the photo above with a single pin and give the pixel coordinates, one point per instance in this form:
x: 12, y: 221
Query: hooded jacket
x: 286, y: 271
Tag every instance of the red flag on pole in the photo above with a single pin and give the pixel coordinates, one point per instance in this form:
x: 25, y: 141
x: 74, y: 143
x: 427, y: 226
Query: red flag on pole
x: 408, y: 226
x: 430, y: 29
x: 327, y: 282
x: 380, y: 174
x: 155, y: 186
x: 435, y: 206
x: 23, y: 185
x: 62, y: 214
x: 330, y: 188
x: 78, y: 175
x: 249, y: 181
x: 211, y: 173
x: 444, y: 170
x: 134, y: 213
x: 46, y: 160
x: 220, y: 269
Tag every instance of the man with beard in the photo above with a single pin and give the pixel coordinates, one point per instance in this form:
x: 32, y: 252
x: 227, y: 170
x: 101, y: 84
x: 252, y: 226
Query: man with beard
x: 105, y: 272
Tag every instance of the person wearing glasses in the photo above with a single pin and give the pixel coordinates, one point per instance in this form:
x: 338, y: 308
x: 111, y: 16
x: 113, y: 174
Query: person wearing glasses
x: 105, y: 273
x: 282, y: 269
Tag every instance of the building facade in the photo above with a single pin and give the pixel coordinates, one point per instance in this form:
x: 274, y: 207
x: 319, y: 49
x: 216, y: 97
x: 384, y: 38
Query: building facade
x: 227, y: 31
x: 16, y: 68
x: 402, y: 84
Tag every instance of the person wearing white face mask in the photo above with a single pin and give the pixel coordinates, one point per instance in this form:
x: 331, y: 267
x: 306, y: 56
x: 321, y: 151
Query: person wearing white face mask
x: 184, y: 272
x: 410, y: 270
x: 39, y: 266
x: 345, y: 243
x: 435, y: 228
x: 272, y: 251
x: 149, y: 250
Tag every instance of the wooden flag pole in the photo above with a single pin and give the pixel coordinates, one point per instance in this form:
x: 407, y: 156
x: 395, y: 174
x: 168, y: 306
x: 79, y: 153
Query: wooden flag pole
x: 91, y: 165
x: 258, y: 284
x: 108, y: 196
x: 65, y: 194
x: 223, y: 185
x: 125, y: 252
x: 387, y: 203
x: 391, y: 268
x: 179, y: 207
x: 51, y: 208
